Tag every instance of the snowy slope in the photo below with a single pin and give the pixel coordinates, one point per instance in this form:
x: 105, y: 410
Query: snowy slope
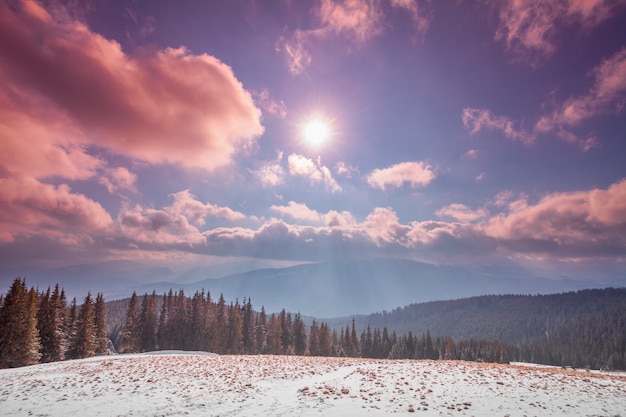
x: 175, y: 384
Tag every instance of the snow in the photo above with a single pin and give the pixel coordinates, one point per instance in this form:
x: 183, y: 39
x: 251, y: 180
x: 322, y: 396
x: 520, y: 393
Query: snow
x: 200, y: 384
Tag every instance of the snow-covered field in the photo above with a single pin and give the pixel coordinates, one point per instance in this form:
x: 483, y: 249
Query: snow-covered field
x: 176, y: 384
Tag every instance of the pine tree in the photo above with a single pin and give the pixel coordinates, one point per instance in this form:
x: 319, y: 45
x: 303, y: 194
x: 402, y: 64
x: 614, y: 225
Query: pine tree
x: 354, y: 342
x: 163, y: 336
x: 248, y: 333
x: 130, y: 334
x: 286, y: 332
x: 71, y: 326
x: 299, y: 336
x: 19, y: 338
x: 314, y: 343
x: 148, y: 323
x: 85, y: 339
x: 59, y: 306
x: 45, y: 326
x: 235, y: 338
x: 325, y: 341
x: 261, y: 332
x: 100, y: 324
x: 220, y: 325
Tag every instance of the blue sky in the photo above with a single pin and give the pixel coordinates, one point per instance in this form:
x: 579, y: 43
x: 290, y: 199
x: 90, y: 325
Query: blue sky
x: 460, y: 132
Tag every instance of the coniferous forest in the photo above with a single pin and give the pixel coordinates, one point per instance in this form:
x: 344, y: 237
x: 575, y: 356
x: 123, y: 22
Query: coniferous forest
x: 42, y: 327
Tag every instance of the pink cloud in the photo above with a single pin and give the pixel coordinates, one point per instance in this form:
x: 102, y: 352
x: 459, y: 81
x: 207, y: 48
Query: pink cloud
x: 421, y: 20
x: 270, y: 175
x: 528, y: 28
x: 157, y: 228
x: 359, y: 19
x: 566, y: 220
x: 30, y: 208
x: 476, y: 120
x: 605, y: 97
x: 186, y: 204
x: 198, y: 102
x: 295, y: 48
x: 118, y: 179
x: 356, y: 20
x: 346, y: 170
x: 586, y: 224
x: 275, y: 108
x: 415, y: 174
x: 462, y: 213
x: 302, y: 166
x: 297, y: 211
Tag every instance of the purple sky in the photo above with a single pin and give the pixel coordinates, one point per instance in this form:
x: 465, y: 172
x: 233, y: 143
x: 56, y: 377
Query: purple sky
x: 172, y: 133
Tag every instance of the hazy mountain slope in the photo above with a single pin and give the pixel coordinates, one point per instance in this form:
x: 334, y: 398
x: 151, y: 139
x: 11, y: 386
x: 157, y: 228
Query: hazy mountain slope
x: 507, y: 318
x: 356, y: 287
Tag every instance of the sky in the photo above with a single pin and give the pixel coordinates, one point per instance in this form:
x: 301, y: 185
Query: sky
x: 199, y: 132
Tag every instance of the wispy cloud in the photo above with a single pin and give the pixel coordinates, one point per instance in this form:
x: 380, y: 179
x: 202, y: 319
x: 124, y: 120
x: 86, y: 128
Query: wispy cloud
x: 357, y: 21
x: 462, y: 213
x: 415, y: 174
x: 475, y: 120
x: 273, y: 107
x: 529, y: 28
x: 605, y: 97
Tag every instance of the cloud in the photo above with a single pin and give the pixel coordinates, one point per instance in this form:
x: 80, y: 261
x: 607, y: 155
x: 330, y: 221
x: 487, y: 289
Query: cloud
x: 118, y: 179
x: 528, y: 28
x: 421, y: 20
x: 415, y: 174
x: 270, y: 175
x: 298, y: 211
x: 462, y: 213
x: 579, y: 223
x: 357, y: 21
x: 341, y: 168
x: 606, y: 96
x: 198, y: 116
x: 275, y: 108
x: 302, y: 166
x: 30, y: 208
x: 186, y: 204
x: 476, y: 120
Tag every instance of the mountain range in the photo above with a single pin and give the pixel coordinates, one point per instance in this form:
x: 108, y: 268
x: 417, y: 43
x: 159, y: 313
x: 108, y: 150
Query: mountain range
x: 321, y: 290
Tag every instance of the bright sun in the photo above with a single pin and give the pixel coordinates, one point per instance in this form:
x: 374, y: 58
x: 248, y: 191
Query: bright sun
x: 315, y: 132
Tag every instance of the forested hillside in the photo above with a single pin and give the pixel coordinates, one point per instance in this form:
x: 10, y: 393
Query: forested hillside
x: 583, y: 328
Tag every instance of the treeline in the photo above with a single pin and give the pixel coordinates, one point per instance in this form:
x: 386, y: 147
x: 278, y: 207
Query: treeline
x: 39, y: 327
x: 586, y: 328
x: 199, y: 323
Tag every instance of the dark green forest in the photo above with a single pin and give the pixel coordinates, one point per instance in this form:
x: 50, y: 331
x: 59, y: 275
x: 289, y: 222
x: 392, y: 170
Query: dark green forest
x: 579, y: 329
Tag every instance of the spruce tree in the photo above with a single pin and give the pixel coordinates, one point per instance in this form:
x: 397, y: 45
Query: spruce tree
x: 19, y: 337
x: 147, y: 326
x: 261, y: 332
x: 130, y: 335
x: 314, y: 344
x: 100, y: 323
x: 85, y: 338
x: 299, y: 336
x: 235, y: 337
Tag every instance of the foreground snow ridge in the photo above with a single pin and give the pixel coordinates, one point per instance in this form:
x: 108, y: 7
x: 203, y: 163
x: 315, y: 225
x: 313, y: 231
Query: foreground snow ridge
x: 175, y: 384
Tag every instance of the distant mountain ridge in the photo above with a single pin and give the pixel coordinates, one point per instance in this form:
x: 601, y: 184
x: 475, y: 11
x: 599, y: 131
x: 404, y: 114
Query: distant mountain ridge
x: 359, y: 287
x: 323, y: 290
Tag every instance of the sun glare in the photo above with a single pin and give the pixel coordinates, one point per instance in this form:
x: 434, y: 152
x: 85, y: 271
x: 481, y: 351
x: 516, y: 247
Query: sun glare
x: 315, y: 132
